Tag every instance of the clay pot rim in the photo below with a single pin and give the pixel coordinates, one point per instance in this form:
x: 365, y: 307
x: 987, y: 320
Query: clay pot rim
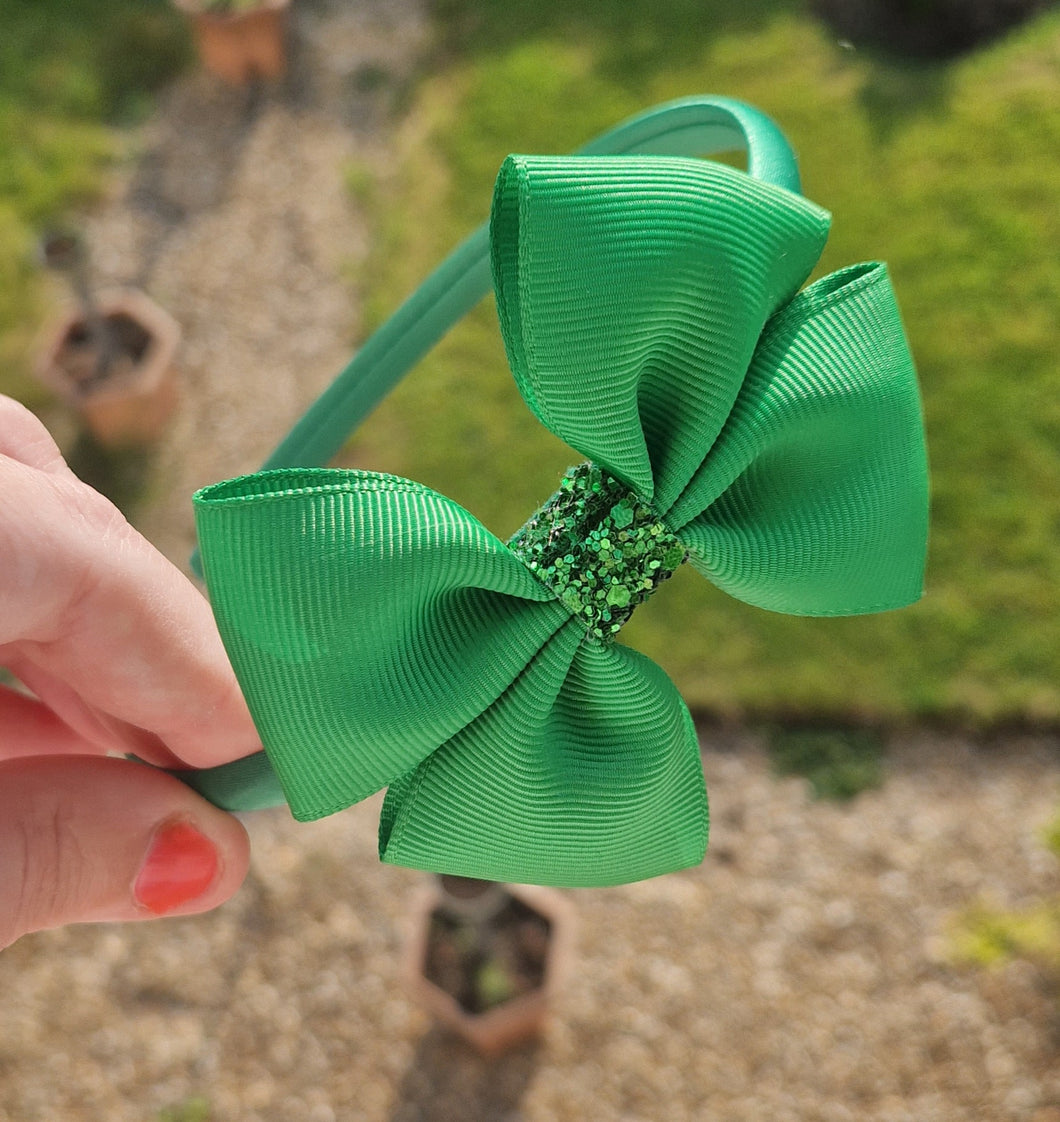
x: 194, y: 9
x: 163, y: 329
x: 492, y: 1031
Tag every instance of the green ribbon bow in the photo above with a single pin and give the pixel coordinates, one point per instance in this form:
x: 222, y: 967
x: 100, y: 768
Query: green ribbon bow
x: 383, y: 637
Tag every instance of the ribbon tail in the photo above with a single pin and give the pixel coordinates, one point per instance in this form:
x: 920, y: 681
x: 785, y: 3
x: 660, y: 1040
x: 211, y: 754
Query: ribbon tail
x: 586, y: 772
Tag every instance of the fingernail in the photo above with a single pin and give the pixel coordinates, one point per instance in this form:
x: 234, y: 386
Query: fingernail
x: 179, y: 867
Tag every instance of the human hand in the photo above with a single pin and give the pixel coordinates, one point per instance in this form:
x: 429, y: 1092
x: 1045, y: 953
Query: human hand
x: 123, y: 656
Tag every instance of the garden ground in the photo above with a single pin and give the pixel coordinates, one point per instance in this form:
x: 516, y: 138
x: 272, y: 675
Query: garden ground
x: 804, y: 972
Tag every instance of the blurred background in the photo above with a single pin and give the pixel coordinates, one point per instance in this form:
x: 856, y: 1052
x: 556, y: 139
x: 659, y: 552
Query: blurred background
x: 876, y: 931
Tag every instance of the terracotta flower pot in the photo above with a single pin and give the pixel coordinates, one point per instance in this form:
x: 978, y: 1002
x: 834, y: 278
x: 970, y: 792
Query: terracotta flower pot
x: 240, y: 46
x: 509, y: 1021
x: 130, y: 401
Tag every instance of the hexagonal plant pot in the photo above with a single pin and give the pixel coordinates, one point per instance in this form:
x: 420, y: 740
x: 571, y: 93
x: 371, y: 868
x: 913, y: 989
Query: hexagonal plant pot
x: 492, y: 977
x: 128, y: 402
x: 242, y: 44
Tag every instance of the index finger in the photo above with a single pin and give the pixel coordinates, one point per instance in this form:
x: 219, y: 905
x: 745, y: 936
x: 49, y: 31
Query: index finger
x: 91, y: 603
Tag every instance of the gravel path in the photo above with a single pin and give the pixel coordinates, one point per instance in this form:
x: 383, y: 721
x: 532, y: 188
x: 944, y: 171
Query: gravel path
x: 799, y: 975
x: 234, y: 215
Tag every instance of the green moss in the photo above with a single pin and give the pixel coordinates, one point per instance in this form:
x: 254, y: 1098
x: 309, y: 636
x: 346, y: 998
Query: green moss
x: 933, y: 167
x: 492, y: 985
x: 1051, y: 835
x: 839, y: 763
x: 360, y: 182
x: 987, y: 937
x: 196, y: 1109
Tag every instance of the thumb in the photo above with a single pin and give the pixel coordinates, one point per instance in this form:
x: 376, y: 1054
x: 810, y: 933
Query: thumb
x: 85, y: 838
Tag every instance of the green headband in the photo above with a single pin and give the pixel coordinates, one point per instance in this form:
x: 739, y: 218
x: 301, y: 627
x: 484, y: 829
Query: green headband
x: 651, y: 310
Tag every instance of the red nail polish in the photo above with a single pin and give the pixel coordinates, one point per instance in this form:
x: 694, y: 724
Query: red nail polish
x: 180, y: 866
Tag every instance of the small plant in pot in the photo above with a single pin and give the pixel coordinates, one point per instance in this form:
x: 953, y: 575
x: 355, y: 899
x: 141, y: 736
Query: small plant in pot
x: 111, y: 355
x: 486, y: 959
x: 240, y: 41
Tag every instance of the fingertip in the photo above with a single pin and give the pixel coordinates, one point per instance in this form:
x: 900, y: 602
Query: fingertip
x: 188, y: 868
x: 221, y: 728
x: 85, y: 839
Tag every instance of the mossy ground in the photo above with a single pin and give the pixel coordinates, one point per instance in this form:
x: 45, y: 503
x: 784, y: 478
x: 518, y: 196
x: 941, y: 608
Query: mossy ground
x: 838, y: 763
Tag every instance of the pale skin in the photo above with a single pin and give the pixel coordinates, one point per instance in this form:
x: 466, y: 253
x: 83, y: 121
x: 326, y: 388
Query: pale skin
x: 121, y: 655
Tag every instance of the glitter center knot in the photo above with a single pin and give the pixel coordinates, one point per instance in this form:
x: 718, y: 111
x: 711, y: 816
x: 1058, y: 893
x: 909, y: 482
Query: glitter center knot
x: 599, y: 548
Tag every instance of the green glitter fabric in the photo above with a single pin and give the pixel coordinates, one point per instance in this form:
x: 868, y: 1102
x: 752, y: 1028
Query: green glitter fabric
x: 599, y: 548
x: 654, y: 317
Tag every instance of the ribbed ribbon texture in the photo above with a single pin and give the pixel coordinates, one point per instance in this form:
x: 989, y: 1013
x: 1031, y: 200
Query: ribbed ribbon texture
x: 653, y: 319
